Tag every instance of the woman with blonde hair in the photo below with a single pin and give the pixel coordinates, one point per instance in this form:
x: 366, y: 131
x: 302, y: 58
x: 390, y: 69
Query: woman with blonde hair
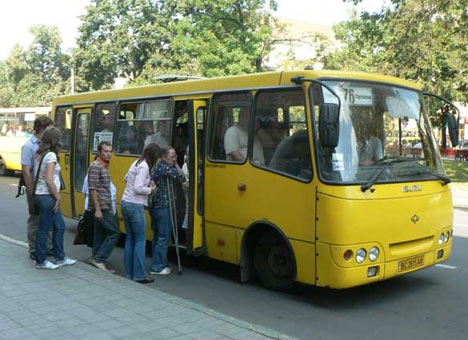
x: 48, y: 200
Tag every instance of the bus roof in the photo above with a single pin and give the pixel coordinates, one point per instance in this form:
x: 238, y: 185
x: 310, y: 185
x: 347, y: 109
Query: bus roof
x: 207, y: 85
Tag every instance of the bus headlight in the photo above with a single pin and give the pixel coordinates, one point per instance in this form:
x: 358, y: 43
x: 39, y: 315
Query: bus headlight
x: 361, y: 255
x: 441, y: 239
x: 374, y: 253
x: 446, y: 237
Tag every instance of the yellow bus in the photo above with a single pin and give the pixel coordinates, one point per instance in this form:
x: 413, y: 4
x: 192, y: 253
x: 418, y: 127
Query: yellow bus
x: 16, y: 127
x: 303, y: 205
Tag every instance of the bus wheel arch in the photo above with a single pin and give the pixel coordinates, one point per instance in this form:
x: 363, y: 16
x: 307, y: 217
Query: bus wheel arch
x: 4, y: 171
x: 267, y: 253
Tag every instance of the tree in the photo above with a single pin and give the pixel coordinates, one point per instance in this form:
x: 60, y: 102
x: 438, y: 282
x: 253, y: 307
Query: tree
x: 139, y: 39
x: 421, y: 40
x: 35, y: 75
x: 44, y: 56
x: 225, y: 37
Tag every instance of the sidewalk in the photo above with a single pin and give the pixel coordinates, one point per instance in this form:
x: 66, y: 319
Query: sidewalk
x: 460, y: 195
x: 82, y: 302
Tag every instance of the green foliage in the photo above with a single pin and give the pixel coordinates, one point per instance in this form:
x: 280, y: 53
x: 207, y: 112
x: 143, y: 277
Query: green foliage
x: 420, y: 40
x: 32, y: 77
x: 457, y: 171
x: 139, y: 39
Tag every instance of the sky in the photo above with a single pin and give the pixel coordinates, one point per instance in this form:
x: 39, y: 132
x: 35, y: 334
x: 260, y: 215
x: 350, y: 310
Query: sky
x: 18, y: 16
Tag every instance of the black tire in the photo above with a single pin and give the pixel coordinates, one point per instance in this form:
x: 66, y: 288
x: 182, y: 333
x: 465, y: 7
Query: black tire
x: 274, y: 264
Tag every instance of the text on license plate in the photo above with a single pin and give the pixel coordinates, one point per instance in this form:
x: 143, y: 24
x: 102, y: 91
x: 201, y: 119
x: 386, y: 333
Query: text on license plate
x: 411, y: 263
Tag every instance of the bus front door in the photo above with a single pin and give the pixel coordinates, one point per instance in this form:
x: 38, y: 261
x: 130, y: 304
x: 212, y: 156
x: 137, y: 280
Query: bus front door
x: 195, y: 235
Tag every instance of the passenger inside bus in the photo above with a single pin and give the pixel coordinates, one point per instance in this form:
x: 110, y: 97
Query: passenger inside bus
x: 129, y: 144
x: 293, y: 155
x: 270, y: 135
x: 369, y: 148
x: 236, y: 140
x: 162, y: 136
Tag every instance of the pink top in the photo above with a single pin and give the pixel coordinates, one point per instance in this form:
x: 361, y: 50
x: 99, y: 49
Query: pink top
x: 138, y: 180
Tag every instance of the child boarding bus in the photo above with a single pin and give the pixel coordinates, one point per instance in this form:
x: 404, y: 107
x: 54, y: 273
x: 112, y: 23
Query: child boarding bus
x: 292, y: 176
x: 16, y: 127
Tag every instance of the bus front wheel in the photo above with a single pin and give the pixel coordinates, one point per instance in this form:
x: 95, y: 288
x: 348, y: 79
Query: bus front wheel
x: 273, y: 263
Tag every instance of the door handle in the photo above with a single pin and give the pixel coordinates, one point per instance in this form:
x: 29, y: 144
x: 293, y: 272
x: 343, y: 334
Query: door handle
x: 242, y: 187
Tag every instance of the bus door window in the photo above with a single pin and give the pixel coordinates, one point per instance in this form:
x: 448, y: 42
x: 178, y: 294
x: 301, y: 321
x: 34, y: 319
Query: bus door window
x: 181, y: 134
x: 281, y: 115
x: 201, y: 119
x: 63, y: 123
x: 81, y: 150
x: 104, y: 120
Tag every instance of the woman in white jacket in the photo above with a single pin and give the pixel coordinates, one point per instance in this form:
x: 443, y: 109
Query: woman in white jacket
x: 135, y: 198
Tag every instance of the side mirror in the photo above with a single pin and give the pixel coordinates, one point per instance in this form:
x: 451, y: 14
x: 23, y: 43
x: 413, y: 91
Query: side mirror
x: 329, y: 125
x: 452, y: 124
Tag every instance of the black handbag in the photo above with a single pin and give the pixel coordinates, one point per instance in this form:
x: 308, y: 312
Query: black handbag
x: 80, y: 236
x: 85, y: 229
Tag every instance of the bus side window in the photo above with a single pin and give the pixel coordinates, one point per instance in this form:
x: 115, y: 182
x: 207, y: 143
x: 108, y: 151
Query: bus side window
x: 281, y: 118
x: 225, y: 112
x: 126, y: 130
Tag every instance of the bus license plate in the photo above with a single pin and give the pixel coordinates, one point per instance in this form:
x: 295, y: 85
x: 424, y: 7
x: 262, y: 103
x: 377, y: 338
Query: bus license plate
x: 411, y: 263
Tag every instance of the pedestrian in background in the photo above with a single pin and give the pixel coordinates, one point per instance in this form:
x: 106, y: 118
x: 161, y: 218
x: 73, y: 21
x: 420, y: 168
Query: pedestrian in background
x: 106, y: 226
x: 28, y: 155
x: 48, y: 200
x: 135, y: 198
x: 166, y: 171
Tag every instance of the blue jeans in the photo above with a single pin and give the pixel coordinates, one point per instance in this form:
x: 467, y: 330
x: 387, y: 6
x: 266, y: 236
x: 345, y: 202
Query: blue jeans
x: 135, y: 241
x: 161, y: 225
x: 106, y: 235
x: 48, y: 218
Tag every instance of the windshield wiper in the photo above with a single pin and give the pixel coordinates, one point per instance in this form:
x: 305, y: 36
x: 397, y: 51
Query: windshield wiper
x: 386, y: 163
x: 445, y: 179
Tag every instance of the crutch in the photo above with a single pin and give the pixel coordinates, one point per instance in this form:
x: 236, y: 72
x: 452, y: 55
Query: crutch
x: 172, y: 209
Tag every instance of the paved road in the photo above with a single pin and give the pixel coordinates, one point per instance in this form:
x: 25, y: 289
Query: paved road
x: 430, y: 304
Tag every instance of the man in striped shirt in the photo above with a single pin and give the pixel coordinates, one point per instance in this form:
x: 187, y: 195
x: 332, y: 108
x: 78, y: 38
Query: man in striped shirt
x: 106, y: 226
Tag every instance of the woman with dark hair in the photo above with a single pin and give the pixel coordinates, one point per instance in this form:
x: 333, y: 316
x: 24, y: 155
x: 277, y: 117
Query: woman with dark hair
x: 47, y: 198
x: 135, y: 198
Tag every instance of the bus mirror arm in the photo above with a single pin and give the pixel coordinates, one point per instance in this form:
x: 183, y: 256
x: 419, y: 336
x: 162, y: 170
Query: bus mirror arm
x: 452, y: 119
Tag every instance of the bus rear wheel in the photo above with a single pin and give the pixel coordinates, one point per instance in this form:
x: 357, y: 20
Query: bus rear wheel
x: 273, y: 263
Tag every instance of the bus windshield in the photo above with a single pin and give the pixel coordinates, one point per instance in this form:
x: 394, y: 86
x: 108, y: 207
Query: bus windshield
x: 385, y: 136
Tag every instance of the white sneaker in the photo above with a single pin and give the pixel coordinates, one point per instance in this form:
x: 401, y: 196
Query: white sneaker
x: 165, y: 271
x: 46, y: 265
x: 65, y: 262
